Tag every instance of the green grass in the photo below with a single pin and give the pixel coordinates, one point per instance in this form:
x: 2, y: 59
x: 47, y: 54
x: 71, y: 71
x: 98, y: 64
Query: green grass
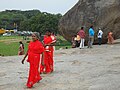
x: 9, y: 45
x: 10, y: 49
x: 10, y: 37
x: 62, y: 43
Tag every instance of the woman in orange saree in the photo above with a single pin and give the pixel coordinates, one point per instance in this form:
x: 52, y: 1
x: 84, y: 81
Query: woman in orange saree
x: 35, y: 49
x: 110, y: 38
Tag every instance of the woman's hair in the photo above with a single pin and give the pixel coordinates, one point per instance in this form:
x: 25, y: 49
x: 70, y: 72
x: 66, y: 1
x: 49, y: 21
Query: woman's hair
x: 75, y: 35
x: 22, y: 44
x: 48, y: 31
x: 91, y: 26
x: 82, y: 28
x: 37, y: 35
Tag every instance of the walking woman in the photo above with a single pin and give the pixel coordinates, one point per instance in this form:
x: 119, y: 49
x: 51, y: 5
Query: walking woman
x: 48, y: 56
x: 21, y: 48
x: 35, y: 49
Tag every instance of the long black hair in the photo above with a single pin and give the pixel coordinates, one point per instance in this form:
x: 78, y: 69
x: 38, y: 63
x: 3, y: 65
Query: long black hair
x: 22, y: 44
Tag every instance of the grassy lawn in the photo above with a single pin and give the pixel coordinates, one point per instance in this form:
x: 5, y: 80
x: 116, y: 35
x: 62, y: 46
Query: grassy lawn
x: 62, y: 43
x: 10, y: 37
x: 9, y: 49
x: 9, y: 45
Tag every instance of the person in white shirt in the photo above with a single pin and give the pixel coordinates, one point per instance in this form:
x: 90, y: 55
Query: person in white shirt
x: 100, y: 33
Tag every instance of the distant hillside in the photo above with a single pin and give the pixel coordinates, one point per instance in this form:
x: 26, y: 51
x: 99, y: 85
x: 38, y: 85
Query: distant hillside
x: 31, y: 20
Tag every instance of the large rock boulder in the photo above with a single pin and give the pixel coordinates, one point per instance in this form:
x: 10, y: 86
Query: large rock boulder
x: 104, y: 14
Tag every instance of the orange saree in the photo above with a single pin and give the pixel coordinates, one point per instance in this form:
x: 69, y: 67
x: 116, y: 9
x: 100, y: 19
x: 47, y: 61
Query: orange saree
x: 110, y: 38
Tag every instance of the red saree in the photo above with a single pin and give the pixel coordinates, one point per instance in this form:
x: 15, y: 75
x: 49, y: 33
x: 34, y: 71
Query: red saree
x: 47, y: 56
x: 34, y: 51
x: 52, y: 51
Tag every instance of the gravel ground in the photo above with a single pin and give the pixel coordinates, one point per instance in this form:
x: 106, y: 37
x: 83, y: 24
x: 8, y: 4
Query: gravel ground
x: 75, y: 69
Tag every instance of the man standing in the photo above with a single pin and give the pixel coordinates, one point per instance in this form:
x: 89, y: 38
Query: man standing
x: 100, y: 33
x: 82, y: 36
x: 91, y: 37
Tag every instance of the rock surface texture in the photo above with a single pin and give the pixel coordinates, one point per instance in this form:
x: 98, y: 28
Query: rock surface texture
x: 104, y: 14
x: 86, y: 69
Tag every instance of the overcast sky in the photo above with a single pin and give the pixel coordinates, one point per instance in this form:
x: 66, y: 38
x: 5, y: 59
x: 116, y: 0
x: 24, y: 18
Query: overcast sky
x: 51, y: 6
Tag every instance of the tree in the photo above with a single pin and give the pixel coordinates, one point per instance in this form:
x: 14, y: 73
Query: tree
x: 32, y: 20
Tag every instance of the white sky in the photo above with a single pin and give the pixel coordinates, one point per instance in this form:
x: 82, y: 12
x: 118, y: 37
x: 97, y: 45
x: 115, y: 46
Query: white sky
x: 50, y: 6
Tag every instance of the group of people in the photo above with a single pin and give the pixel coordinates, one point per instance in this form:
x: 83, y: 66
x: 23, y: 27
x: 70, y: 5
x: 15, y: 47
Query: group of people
x: 40, y: 54
x: 79, y: 39
x: 40, y: 57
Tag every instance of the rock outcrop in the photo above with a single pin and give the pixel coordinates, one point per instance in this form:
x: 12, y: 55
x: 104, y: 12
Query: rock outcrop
x: 104, y: 14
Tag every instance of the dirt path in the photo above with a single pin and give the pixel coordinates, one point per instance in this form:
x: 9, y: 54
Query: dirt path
x: 86, y: 69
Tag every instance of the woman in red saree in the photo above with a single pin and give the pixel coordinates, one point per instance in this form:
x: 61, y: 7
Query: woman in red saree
x: 52, y: 50
x: 35, y: 48
x: 48, y: 56
x: 110, y: 38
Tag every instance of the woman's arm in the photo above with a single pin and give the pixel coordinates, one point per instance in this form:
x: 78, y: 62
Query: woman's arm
x: 51, y: 44
x: 24, y: 57
x: 22, y: 48
x: 42, y: 59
